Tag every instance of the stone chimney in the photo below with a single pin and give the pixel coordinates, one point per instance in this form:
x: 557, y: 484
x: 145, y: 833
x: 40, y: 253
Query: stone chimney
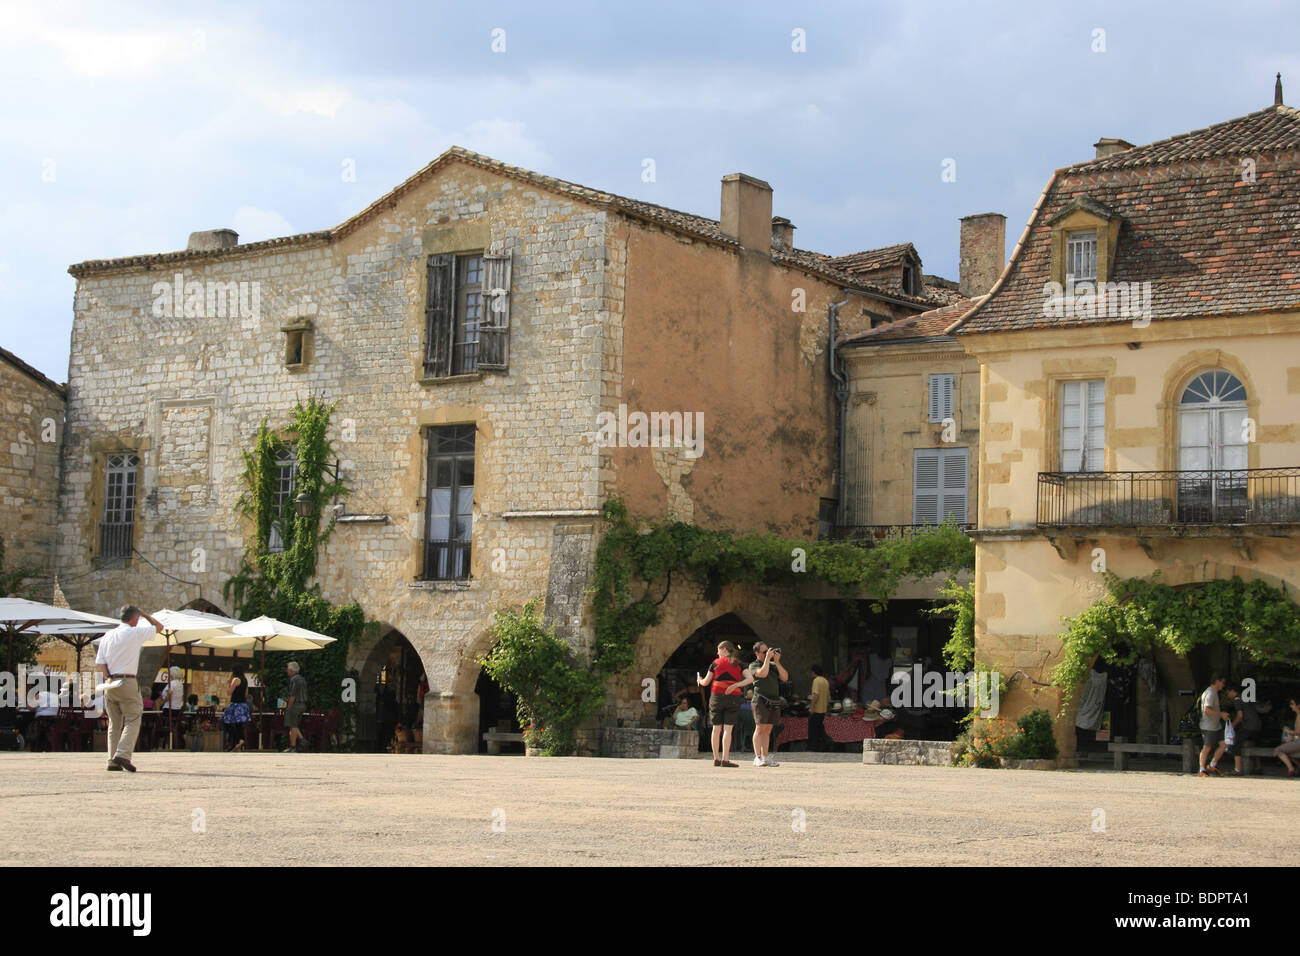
x: 782, y: 233
x: 212, y: 239
x: 747, y: 212
x: 983, y: 252
x: 1107, y: 146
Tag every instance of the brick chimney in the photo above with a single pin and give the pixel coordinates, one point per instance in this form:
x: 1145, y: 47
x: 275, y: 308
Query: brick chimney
x: 983, y: 252
x: 782, y: 233
x: 747, y: 212
x: 1108, y: 146
x: 212, y: 239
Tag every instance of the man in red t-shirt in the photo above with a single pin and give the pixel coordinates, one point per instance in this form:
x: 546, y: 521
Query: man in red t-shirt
x: 724, y: 703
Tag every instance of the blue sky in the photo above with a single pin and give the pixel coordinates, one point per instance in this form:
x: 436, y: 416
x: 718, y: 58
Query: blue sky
x: 127, y: 126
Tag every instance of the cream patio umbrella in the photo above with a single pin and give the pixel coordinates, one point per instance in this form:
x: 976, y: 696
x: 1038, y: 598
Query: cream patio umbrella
x: 267, y: 633
x: 21, y: 616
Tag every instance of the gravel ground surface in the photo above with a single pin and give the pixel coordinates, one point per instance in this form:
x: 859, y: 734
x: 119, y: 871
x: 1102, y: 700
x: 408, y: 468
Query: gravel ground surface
x: 317, y: 809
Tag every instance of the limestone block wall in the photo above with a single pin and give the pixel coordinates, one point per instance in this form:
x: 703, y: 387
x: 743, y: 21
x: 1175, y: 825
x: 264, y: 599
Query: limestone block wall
x: 31, y: 425
x: 187, y: 393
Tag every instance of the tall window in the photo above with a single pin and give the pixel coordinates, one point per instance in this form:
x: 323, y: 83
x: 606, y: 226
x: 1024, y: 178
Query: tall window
x: 286, y: 478
x: 940, y: 489
x: 450, y: 503
x: 467, y: 314
x: 1080, y: 258
x: 1083, y: 425
x: 1212, y: 448
x: 941, y: 396
x: 116, y: 531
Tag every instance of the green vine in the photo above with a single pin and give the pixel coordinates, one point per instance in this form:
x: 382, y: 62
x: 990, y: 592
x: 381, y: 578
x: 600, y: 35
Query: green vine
x: 1138, y: 615
x: 555, y: 691
x: 638, y: 563
x: 276, y: 583
x: 646, y: 553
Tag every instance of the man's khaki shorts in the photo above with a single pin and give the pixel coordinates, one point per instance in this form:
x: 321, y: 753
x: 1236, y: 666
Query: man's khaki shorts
x: 765, y: 714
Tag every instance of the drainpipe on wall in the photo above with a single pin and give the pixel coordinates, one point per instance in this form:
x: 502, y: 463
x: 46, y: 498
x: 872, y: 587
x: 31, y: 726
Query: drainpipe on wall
x: 842, y: 408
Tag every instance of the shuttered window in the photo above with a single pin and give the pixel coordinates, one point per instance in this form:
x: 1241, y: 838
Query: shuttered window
x: 467, y: 314
x: 494, y: 333
x: 1083, y: 425
x: 940, y: 485
x: 941, y: 397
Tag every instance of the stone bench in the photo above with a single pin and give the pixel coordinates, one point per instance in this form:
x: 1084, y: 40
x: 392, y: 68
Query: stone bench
x: 495, y: 738
x: 927, y: 753
x: 1190, y: 749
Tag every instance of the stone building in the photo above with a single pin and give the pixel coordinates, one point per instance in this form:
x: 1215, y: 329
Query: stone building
x: 1139, y: 399
x: 31, y: 421
x: 477, y: 327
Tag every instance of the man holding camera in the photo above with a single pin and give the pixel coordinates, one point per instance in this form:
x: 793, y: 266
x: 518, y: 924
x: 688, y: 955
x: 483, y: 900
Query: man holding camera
x: 766, y: 674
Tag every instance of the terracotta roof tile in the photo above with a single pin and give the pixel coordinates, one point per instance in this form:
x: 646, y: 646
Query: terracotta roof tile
x: 928, y: 325
x: 1208, y: 241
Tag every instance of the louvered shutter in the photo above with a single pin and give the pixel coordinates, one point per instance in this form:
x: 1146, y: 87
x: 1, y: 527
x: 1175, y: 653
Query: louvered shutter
x: 1095, y: 439
x: 941, y: 391
x: 955, y: 471
x: 494, y: 333
x: 925, y: 486
x: 439, y: 312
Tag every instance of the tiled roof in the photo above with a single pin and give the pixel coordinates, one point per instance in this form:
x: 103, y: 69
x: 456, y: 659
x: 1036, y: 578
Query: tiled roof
x: 32, y: 373
x: 871, y: 259
x: 940, y: 290
x: 700, y: 226
x: 1208, y: 241
x: 1271, y: 130
x: 928, y: 325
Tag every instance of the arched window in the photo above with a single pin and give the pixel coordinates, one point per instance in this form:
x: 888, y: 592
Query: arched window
x: 1212, y: 438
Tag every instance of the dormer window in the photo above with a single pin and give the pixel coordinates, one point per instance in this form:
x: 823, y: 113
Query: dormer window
x: 1084, y: 235
x: 1080, y: 258
x: 910, y: 285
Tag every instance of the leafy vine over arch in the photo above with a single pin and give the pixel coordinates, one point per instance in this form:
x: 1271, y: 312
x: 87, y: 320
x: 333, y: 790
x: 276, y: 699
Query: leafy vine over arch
x: 1139, y: 615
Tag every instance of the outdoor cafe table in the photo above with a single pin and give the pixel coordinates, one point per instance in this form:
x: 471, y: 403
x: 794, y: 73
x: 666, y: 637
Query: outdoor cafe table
x: 842, y: 730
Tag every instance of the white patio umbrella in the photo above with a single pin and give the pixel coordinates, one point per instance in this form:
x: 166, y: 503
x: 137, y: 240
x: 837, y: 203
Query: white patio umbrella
x: 76, y: 636
x: 267, y: 633
x: 20, y: 616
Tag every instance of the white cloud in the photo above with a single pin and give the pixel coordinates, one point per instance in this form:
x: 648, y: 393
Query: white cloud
x: 323, y: 101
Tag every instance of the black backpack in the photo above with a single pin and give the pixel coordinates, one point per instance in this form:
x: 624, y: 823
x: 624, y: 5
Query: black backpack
x: 1190, y: 724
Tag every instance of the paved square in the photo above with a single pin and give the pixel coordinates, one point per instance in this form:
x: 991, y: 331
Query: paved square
x: 314, y: 809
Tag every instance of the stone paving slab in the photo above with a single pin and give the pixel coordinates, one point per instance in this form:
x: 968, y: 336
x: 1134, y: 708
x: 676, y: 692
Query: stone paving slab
x: 358, y: 809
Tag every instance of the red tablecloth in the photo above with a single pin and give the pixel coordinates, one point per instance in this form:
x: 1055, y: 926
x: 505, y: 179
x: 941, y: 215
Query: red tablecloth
x: 842, y: 730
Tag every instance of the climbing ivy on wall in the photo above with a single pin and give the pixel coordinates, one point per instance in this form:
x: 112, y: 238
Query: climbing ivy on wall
x: 1138, y: 615
x: 640, y: 553
x: 277, y: 583
x: 639, y: 562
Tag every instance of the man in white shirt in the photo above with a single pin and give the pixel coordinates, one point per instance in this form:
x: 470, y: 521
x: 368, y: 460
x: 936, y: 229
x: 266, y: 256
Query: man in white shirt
x: 45, y: 714
x: 117, y: 659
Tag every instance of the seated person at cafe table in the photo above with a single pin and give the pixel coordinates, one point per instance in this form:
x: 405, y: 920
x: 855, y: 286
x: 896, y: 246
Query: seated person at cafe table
x: 683, y: 718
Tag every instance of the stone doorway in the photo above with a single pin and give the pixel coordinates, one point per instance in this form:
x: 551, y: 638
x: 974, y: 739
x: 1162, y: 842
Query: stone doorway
x: 691, y: 658
x: 390, y: 691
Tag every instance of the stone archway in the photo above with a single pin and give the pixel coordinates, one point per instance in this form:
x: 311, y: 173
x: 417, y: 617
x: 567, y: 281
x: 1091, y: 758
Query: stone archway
x: 370, y: 658
x: 773, y: 614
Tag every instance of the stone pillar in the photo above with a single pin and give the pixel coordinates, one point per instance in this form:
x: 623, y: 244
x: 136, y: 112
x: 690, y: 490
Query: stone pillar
x: 450, y: 723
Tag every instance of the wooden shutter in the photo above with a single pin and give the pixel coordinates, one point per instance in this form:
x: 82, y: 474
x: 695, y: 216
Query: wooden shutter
x: 1083, y: 425
x: 439, y: 313
x: 941, y: 393
x: 925, y: 486
x: 494, y: 333
x: 1095, y: 436
x: 955, y: 469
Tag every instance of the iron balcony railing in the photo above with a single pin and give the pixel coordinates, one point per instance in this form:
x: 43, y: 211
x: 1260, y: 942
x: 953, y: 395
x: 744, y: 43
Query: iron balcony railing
x: 446, y: 560
x: 866, y: 533
x: 115, y: 539
x: 1239, y: 496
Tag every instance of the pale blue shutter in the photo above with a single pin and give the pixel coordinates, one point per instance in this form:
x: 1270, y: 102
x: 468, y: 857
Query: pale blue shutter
x: 926, y: 490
